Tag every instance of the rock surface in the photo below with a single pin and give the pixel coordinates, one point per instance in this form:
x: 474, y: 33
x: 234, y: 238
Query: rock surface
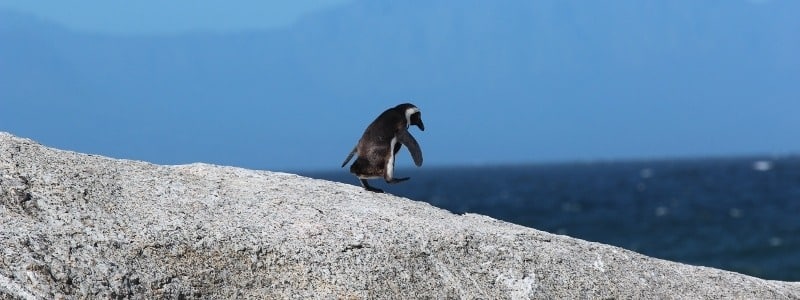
x: 84, y: 226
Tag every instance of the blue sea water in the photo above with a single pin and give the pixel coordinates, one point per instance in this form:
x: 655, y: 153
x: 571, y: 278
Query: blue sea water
x: 736, y: 214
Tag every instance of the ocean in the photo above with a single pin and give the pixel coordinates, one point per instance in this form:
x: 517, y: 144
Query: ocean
x: 736, y: 214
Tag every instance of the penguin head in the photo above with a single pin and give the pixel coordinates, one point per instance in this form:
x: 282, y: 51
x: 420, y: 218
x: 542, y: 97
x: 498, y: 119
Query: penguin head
x: 416, y: 119
x: 413, y: 115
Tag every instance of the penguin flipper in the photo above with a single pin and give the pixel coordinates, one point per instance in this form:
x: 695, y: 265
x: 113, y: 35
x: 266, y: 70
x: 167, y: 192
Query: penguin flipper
x: 396, y: 180
x: 408, y: 140
x: 349, y: 156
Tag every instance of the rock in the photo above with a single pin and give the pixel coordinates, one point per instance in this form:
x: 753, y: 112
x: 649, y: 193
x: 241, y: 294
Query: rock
x: 84, y: 226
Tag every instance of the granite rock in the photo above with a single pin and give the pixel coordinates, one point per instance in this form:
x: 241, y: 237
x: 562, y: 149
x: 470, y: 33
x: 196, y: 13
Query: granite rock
x: 75, y: 225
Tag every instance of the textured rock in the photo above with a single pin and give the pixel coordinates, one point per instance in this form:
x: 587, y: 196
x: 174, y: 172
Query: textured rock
x: 83, y: 226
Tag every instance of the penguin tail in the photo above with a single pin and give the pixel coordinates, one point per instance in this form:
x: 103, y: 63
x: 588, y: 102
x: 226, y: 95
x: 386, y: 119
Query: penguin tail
x: 349, y: 156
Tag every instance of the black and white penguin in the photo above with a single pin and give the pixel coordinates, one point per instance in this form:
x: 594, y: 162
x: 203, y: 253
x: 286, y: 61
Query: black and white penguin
x: 380, y: 143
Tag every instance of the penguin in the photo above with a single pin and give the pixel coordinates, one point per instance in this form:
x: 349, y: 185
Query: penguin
x: 380, y: 143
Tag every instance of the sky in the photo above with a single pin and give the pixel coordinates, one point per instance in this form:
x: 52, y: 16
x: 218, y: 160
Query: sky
x: 291, y: 85
x: 169, y: 17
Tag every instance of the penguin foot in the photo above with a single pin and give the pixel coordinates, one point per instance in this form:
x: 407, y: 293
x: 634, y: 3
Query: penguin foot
x: 374, y: 190
x: 396, y: 180
x: 369, y: 187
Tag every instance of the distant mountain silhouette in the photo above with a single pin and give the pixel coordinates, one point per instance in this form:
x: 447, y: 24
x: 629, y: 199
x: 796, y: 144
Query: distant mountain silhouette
x: 630, y: 55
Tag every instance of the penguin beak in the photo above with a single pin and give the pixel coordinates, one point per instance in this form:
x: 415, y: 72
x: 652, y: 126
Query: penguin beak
x: 416, y: 119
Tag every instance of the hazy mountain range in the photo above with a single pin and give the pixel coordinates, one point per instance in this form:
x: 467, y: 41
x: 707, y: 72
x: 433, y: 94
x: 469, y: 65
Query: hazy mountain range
x: 682, y: 77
